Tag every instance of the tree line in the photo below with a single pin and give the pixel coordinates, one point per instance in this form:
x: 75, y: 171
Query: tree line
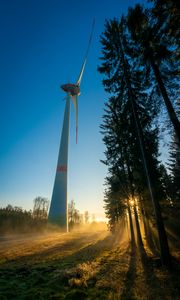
x: 139, y: 64
x: 15, y: 219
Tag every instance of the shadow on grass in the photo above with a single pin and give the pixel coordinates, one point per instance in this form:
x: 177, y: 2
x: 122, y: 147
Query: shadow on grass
x: 161, y: 283
x: 33, y: 276
x: 36, y: 274
x: 141, y: 281
x: 166, y: 286
x: 66, y: 252
x: 127, y: 292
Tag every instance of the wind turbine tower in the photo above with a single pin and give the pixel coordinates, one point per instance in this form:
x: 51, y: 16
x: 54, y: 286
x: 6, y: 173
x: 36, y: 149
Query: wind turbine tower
x: 58, y: 213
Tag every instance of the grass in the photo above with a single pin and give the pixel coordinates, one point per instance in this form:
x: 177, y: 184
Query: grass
x: 82, y: 265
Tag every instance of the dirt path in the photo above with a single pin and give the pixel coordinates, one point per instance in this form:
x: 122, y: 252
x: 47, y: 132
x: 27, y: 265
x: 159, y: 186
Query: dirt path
x: 81, y: 265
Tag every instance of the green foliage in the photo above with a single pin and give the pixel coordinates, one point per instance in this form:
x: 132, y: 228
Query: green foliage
x: 167, y: 14
x: 157, y: 48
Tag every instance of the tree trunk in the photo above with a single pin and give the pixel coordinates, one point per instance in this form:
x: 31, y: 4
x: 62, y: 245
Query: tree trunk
x: 147, y: 230
x: 164, y: 248
x: 167, y: 101
x: 131, y: 225
x: 139, y: 236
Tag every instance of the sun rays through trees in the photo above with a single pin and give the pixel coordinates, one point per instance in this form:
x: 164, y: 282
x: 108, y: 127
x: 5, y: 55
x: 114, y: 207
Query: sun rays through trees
x: 137, y: 66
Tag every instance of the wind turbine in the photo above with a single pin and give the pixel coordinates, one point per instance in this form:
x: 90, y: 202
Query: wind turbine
x: 58, y: 213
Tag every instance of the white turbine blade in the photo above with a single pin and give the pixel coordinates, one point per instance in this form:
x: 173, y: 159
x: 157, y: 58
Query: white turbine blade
x: 81, y: 73
x: 75, y: 101
x: 87, y: 51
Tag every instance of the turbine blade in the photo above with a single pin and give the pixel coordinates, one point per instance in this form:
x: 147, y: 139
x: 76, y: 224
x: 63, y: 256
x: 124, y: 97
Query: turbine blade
x: 81, y: 73
x: 75, y: 101
x: 86, y: 55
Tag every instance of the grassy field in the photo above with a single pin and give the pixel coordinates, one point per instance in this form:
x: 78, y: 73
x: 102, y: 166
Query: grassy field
x: 89, y: 264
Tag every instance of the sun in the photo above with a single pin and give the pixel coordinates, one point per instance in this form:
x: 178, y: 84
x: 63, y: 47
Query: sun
x: 101, y: 219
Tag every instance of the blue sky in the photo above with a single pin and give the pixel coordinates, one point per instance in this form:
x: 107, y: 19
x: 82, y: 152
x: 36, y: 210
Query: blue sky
x: 43, y: 43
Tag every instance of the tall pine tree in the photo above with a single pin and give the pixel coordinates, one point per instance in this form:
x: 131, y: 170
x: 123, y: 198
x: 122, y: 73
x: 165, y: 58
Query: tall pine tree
x: 127, y: 129
x: 149, y: 35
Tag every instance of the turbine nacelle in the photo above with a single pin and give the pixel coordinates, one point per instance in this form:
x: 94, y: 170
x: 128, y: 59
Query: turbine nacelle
x: 72, y: 89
